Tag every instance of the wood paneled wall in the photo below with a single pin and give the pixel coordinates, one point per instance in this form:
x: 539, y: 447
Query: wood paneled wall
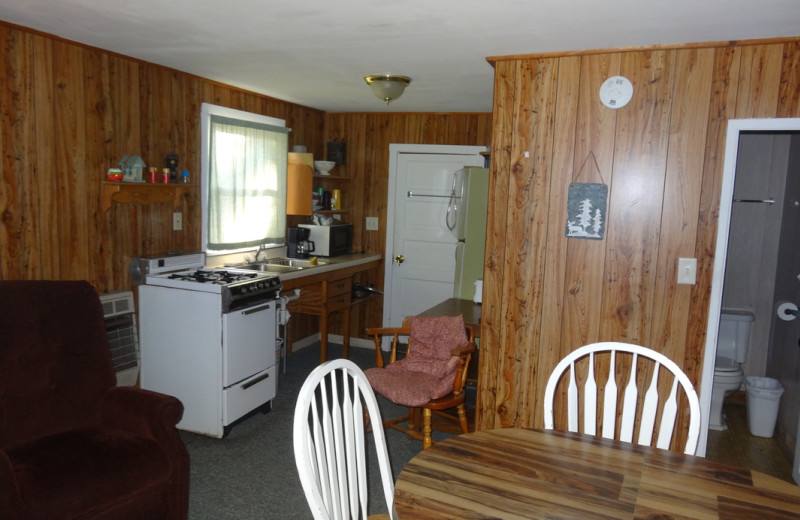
x: 661, y: 157
x: 68, y: 113
x: 367, y: 137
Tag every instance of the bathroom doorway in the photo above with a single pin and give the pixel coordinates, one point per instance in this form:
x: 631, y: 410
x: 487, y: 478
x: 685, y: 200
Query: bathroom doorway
x: 756, y: 200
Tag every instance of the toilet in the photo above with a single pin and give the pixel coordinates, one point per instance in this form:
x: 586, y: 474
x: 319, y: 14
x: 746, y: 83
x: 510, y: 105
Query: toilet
x: 734, y: 333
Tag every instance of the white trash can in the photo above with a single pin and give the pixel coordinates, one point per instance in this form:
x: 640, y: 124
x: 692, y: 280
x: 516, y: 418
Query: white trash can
x: 763, y: 400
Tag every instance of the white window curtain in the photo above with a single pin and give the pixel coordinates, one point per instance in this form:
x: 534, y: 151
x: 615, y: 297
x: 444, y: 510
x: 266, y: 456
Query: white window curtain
x: 246, y: 184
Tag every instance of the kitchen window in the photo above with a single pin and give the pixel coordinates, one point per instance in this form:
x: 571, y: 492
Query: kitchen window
x: 243, y: 158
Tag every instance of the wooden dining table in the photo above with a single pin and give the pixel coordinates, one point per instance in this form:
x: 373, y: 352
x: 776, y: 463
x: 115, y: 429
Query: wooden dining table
x: 517, y: 473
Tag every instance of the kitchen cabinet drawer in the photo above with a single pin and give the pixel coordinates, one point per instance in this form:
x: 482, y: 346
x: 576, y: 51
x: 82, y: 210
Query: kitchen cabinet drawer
x: 311, y: 300
x: 314, y: 298
x: 342, y: 286
x: 338, y: 302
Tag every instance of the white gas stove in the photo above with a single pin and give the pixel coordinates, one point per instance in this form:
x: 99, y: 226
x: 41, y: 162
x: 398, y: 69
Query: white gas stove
x: 208, y: 337
x: 236, y: 286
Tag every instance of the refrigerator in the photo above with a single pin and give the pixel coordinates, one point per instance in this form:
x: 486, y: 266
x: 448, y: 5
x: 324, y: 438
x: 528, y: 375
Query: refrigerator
x: 470, y: 209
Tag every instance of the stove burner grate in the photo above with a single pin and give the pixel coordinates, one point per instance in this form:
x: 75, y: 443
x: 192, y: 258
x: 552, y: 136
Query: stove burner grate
x: 213, y: 277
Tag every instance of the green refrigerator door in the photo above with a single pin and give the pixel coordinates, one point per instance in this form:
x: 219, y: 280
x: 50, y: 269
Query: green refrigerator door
x: 469, y: 257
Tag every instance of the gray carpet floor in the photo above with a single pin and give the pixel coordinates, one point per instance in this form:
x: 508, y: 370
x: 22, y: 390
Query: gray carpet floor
x: 251, y: 473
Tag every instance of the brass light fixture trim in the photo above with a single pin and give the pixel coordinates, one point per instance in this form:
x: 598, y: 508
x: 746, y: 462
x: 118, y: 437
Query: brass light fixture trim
x: 387, y: 87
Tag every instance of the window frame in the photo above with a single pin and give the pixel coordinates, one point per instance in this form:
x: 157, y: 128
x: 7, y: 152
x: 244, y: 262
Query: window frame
x: 207, y: 111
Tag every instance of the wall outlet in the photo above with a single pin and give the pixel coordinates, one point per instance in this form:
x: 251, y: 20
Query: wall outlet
x: 687, y: 271
x: 177, y: 221
x: 372, y: 224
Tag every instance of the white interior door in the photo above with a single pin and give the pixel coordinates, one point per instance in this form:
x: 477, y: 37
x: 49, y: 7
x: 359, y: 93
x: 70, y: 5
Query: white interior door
x: 420, y: 256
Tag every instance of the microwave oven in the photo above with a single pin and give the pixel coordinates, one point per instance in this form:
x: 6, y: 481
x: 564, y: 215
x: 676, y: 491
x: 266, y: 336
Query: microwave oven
x: 333, y: 240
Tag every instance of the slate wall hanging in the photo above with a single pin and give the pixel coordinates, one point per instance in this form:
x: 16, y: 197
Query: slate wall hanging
x: 586, y: 206
x: 586, y: 211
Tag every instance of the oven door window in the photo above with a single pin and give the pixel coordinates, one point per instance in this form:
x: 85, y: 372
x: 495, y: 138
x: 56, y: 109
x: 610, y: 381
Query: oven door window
x: 248, y: 344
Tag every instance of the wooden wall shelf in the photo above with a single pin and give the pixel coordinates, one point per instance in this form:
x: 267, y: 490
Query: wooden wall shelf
x: 331, y: 211
x: 330, y: 178
x: 143, y: 193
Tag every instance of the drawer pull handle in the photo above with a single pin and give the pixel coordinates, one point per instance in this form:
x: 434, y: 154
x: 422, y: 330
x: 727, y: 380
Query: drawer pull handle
x: 255, y: 310
x: 254, y: 381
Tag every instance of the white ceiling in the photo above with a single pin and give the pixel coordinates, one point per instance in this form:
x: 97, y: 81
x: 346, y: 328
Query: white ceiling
x: 316, y: 53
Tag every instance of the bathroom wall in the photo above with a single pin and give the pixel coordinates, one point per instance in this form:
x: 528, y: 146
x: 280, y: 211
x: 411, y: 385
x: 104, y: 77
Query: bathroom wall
x: 784, y: 354
x: 754, y: 238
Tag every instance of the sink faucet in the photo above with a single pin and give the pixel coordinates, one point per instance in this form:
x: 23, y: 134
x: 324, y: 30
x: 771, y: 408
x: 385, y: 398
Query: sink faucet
x: 261, y: 249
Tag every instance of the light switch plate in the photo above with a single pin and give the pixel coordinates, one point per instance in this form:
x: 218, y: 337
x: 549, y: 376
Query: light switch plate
x: 177, y: 221
x: 372, y: 224
x: 687, y: 271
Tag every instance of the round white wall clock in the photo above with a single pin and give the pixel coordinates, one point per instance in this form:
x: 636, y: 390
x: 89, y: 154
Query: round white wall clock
x: 616, y: 91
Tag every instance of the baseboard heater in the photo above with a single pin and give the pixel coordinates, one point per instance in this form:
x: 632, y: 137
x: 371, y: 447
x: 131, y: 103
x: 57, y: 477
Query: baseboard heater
x: 120, y: 317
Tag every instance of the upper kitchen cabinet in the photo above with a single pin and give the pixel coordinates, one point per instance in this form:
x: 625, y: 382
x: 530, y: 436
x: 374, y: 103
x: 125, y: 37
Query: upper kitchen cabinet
x: 311, y: 190
x: 300, y: 170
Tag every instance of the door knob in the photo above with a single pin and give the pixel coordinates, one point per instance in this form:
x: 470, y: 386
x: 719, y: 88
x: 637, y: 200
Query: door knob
x: 399, y: 259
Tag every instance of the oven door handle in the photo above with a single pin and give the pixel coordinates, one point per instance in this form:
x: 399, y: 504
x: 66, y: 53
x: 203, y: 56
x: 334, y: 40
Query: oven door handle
x: 255, y: 381
x: 255, y: 310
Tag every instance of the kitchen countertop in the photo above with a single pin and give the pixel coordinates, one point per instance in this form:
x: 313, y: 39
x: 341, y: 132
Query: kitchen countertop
x: 346, y: 265
x: 334, y: 263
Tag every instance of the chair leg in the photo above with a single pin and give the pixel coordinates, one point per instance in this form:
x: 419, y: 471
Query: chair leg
x: 427, y: 441
x: 462, y: 418
x: 367, y: 425
x: 413, y: 423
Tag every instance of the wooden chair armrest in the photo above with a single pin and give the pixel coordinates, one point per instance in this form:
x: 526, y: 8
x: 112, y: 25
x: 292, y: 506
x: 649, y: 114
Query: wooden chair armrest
x: 463, y: 351
x: 387, y: 330
x: 465, y: 355
x: 377, y: 333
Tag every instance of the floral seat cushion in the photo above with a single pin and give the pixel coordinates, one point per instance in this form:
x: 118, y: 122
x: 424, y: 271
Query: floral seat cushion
x: 428, y: 371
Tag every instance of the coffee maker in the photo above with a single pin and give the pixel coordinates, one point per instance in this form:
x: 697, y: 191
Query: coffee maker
x: 299, y: 245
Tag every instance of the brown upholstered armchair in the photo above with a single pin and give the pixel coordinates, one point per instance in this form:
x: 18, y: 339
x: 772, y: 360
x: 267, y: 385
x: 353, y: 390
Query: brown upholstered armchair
x: 72, y: 444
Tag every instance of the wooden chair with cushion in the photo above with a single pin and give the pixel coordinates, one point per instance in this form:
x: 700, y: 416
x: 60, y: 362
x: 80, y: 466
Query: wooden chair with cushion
x: 432, y: 375
x: 72, y: 443
x: 331, y: 442
x: 644, y: 368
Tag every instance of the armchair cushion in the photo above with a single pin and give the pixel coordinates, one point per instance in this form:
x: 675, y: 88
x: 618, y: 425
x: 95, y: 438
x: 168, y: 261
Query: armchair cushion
x: 54, y: 474
x: 428, y: 370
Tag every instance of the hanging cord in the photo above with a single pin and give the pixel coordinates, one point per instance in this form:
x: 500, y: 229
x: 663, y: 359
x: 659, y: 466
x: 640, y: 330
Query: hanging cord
x: 452, y: 207
x: 583, y: 166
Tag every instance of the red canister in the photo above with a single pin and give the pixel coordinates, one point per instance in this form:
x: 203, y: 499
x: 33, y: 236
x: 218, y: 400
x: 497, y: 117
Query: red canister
x: 165, y: 175
x: 152, y: 175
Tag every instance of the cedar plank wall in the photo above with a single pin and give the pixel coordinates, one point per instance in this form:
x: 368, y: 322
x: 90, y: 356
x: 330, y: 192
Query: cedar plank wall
x: 69, y: 112
x: 661, y: 156
x: 367, y: 137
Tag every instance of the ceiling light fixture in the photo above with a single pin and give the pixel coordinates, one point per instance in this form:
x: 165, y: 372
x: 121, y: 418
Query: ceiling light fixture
x: 387, y: 87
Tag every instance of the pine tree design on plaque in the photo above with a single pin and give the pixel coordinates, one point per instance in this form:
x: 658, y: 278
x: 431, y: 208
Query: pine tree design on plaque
x: 586, y: 211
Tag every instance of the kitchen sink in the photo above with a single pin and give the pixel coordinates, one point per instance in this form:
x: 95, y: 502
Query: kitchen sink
x: 294, y: 262
x: 270, y: 268
x: 282, y: 265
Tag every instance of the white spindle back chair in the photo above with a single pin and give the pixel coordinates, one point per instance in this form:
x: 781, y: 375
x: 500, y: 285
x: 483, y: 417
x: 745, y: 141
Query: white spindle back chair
x: 650, y: 405
x: 331, y: 443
